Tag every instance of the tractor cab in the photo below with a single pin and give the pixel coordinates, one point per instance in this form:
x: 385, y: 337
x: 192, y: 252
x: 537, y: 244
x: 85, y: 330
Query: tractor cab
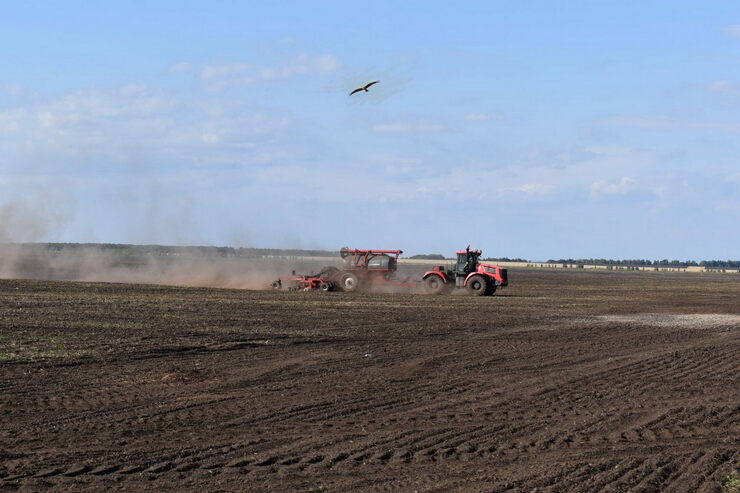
x: 467, y: 261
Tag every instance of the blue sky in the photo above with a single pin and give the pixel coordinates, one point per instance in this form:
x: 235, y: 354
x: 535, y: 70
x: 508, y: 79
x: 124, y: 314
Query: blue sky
x: 528, y: 129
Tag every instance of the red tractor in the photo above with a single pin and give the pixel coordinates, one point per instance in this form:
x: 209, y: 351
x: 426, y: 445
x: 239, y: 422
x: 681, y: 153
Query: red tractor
x: 477, y: 278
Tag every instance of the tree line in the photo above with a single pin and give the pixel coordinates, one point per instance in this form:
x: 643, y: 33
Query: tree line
x: 128, y: 249
x: 713, y: 264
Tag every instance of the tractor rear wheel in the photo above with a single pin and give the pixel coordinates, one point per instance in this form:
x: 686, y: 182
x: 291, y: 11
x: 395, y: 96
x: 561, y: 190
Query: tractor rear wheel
x: 325, y: 286
x: 477, y: 286
x: 434, y: 284
x: 349, y: 282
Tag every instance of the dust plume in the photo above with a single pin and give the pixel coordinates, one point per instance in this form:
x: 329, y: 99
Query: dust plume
x: 33, y: 218
x: 177, y: 266
x: 22, y: 256
x: 23, y: 223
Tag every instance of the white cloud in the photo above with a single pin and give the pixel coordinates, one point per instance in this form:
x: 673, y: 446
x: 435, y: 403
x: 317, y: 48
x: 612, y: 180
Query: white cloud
x: 401, y: 127
x: 46, y: 119
x: 218, y: 77
x: 220, y: 140
x: 533, y: 188
x: 135, y: 121
x: 621, y: 187
x: 733, y: 30
x: 477, y: 117
x: 326, y: 64
x: 13, y: 89
x: 719, y: 86
x: 606, y: 151
x: 211, y: 138
x: 134, y: 90
x: 658, y: 191
x: 12, y: 120
x: 728, y: 91
x: 216, y: 72
x: 181, y: 67
x: 390, y: 177
x: 393, y: 178
x: 100, y: 107
x: 666, y: 123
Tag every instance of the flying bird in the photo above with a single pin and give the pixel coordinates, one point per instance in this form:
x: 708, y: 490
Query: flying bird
x: 364, y: 88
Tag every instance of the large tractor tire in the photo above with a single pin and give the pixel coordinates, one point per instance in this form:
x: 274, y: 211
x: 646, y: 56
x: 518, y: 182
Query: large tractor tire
x: 434, y: 284
x: 491, y: 288
x: 349, y: 282
x: 478, y: 286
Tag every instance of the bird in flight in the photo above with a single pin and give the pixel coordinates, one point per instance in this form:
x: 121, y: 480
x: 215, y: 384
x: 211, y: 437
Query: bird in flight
x: 364, y: 88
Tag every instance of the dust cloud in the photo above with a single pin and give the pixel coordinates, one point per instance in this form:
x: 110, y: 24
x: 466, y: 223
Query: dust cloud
x: 23, y: 223
x: 198, y: 267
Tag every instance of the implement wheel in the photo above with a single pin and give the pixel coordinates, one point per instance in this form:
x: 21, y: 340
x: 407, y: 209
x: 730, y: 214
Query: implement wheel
x: 349, y: 282
x: 325, y: 287
x: 434, y: 285
x: 277, y: 285
x: 478, y: 286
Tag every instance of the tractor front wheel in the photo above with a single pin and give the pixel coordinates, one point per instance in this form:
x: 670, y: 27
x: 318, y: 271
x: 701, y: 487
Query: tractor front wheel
x: 434, y: 284
x: 478, y: 286
x: 349, y: 282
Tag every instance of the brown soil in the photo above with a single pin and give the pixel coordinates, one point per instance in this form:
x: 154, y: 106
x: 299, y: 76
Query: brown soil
x: 566, y: 381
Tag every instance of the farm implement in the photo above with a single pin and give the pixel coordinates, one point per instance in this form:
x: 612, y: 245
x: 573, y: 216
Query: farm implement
x: 365, y: 270
x: 312, y: 282
x: 361, y: 270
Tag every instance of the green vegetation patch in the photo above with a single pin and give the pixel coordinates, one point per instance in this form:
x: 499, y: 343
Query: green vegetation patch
x: 24, y: 346
x: 731, y: 484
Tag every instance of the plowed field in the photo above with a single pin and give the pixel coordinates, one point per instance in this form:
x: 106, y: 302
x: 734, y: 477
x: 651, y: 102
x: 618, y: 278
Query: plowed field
x: 566, y: 381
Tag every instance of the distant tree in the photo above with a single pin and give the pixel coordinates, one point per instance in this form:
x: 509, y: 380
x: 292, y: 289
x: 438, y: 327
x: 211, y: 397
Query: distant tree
x: 504, y: 259
x: 633, y: 264
x: 164, y: 250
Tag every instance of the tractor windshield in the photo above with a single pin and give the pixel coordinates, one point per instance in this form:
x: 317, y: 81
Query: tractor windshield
x: 462, y: 262
x: 467, y: 261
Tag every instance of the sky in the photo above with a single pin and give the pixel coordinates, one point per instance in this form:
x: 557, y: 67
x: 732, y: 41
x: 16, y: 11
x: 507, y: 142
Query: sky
x: 536, y: 129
